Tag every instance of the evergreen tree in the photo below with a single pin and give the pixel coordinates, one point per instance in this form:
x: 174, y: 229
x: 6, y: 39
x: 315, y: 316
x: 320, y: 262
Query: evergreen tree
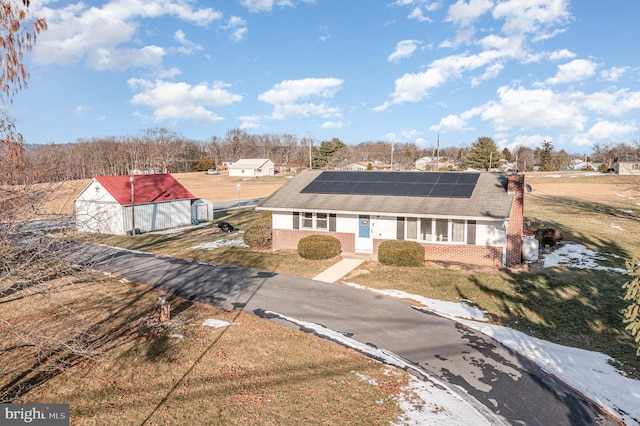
x: 484, y: 154
x: 632, y: 312
x: 329, y: 153
x: 546, y: 157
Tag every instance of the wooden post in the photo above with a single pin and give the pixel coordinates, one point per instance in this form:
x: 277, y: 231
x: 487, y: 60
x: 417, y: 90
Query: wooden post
x: 162, y: 312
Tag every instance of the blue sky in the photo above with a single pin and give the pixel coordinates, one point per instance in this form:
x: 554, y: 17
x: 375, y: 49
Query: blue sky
x: 519, y: 71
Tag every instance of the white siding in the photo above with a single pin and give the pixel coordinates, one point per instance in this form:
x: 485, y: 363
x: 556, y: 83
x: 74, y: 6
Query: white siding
x: 384, y: 227
x: 154, y: 216
x: 99, y: 217
x: 282, y: 220
x: 490, y: 233
x: 347, y: 223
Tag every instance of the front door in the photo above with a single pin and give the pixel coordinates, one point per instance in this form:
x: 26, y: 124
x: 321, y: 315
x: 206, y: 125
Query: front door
x: 364, y: 242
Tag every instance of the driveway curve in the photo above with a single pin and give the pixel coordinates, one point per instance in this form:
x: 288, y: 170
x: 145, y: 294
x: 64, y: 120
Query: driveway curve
x: 496, y: 377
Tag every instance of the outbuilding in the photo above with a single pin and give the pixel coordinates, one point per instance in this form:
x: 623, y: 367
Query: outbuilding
x: 252, y: 167
x: 158, y: 200
x: 474, y: 218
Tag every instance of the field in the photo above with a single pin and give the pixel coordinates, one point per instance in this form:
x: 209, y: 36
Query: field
x: 242, y: 374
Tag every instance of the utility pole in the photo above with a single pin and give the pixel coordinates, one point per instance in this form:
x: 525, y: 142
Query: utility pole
x: 392, y: 149
x: 438, y: 154
x: 133, y: 203
x: 310, y: 153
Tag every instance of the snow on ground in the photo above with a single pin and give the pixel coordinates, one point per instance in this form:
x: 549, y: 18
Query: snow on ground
x: 215, y: 323
x: 577, y: 256
x: 236, y: 242
x: 439, y: 403
x: 618, y: 227
x: 588, y: 372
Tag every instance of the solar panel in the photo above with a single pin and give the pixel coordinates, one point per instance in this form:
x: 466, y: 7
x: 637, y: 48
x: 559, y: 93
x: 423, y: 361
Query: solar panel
x: 416, y: 184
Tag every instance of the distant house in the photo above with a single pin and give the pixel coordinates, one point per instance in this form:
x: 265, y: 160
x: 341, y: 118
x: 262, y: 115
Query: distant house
x: 367, y: 165
x: 252, y: 167
x: 159, y: 202
x: 431, y: 163
x: 474, y: 218
x: 627, y: 164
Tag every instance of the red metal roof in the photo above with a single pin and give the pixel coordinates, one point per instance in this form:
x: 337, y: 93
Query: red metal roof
x: 147, y: 188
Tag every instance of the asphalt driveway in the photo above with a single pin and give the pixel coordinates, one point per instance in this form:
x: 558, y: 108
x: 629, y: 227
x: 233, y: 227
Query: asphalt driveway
x: 505, y: 383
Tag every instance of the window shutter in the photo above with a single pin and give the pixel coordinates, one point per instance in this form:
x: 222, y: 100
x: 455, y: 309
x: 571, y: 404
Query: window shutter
x: 332, y: 222
x: 471, y: 232
x: 296, y: 220
x: 400, y: 228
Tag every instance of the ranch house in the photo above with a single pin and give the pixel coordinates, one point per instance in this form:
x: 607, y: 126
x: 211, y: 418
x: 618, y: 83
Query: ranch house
x: 250, y: 167
x: 473, y: 218
x: 159, y: 202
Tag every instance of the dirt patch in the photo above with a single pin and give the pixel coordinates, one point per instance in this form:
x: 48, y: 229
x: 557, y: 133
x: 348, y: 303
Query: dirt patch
x: 222, y: 187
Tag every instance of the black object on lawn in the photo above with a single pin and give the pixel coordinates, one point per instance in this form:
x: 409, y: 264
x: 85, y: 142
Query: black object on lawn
x: 226, y: 227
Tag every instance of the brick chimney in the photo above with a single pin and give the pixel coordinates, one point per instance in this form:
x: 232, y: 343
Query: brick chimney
x: 515, y: 228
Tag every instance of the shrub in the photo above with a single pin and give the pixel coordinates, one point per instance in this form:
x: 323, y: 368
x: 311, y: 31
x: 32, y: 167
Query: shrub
x: 401, y: 253
x: 258, y: 234
x: 317, y: 247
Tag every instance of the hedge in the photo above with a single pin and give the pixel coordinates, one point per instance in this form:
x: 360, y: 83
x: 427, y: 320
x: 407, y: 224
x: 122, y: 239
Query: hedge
x: 401, y: 253
x: 317, y: 247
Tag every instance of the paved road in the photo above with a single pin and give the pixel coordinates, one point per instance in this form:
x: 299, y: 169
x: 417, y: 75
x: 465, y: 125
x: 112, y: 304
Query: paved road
x: 504, y: 382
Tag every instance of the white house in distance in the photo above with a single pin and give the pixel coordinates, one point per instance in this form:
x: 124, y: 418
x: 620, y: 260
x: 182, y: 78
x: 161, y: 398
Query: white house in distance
x: 474, y: 218
x: 159, y: 202
x: 252, y: 167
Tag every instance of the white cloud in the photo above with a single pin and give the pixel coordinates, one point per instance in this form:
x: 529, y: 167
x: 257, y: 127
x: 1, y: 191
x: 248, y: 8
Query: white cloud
x: 256, y: 6
x: 332, y: 125
x: 576, y: 70
x: 527, y: 109
x: 182, y: 101
x: 463, y: 14
x: 120, y: 59
x: 614, y: 73
x: 250, y: 122
x: 404, y: 49
x: 237, y: 28
x: 77, y: 32
x: 561, y: 54
x: 289, y: 91
x: 607, y: 130
x: 531, y: 16
x: 286, y: 97
x: 187, y: 47
x: 490, y: 73
x: 613, y: 103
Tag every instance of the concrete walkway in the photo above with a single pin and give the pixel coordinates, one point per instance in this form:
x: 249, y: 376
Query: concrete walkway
x: 348, y: 263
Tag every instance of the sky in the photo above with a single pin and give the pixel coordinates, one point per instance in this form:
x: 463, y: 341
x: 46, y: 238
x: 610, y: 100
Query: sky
x: 519, y: 71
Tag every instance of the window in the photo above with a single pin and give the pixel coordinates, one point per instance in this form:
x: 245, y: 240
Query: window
x: 412, y: 228
x: 457, y: 231
x: 440, y: 230
x: 426, y: 233
x: 321, y: 221
x: 307, y: 220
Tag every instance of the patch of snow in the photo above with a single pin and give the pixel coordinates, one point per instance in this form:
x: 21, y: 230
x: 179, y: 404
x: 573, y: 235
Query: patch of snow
x: 590, y: 373
x: 454, y: 310
x: 215, y: 323
x: 236, y: 242
x: 617, y: 227
x: 628, y: 211
x: 439, y: 403
x: 576, y: 256
x: 177, y: 336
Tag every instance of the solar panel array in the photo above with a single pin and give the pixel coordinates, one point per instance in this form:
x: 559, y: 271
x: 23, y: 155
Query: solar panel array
x: 413, y: 184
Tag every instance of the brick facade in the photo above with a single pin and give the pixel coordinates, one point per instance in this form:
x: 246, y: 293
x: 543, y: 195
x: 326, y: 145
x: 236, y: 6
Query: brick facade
x: 460, y: 253
x: 287, y: 239
x: 516, y: 219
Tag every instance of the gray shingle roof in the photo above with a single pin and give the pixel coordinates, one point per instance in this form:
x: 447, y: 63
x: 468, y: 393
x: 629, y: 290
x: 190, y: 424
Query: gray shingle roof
x: 488, y: 200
